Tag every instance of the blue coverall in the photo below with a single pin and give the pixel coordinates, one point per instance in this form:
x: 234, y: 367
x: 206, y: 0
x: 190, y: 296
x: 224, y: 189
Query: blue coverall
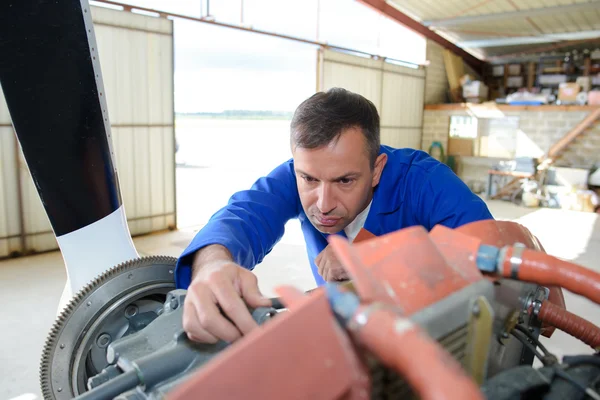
x: 414, y: 189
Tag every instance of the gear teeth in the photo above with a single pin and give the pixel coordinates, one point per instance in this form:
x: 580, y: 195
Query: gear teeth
x: 65, y: 314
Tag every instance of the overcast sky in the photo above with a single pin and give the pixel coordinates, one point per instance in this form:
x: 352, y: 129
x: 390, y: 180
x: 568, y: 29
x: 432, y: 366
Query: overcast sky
x: 218, y: 68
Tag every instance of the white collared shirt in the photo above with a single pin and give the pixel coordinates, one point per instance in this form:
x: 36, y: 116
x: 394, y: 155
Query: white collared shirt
x: 355, y: 226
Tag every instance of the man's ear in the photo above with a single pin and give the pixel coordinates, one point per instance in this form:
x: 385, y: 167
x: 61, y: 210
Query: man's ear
x: 378, y: 169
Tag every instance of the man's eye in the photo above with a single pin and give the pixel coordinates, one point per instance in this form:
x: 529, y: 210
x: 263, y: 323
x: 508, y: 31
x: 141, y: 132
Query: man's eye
x: 309, y: 179
x: 346, y: 181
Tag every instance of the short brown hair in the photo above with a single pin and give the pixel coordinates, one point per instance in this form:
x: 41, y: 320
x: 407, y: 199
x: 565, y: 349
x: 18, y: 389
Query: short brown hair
x: 321, y: 118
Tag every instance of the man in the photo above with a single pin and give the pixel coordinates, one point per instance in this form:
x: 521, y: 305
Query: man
x: 339, y: 180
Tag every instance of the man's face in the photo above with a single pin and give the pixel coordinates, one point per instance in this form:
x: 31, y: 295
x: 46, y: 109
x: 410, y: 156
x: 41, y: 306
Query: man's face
x: 336, y: 182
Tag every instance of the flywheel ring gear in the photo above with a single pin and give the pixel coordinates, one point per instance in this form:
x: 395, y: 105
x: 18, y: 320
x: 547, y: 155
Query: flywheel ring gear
x: 68, y: 346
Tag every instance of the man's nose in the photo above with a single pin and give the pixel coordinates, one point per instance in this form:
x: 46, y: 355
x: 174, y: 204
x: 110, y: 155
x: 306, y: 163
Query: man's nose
x: 326, y: 200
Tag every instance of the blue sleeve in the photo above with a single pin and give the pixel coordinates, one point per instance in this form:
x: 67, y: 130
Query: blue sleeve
x: 250, y: 224
x: 444, y: 199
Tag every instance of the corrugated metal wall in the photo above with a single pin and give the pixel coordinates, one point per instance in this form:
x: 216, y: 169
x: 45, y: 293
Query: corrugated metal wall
x: 10, y: 223
x: 397, y: 92
x: 136, y: 57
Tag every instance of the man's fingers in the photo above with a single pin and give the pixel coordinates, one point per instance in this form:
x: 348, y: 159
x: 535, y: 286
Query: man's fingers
x: 234, y: 307
x: 210, y: 317
x: 320, y: 256
x: 320, y: 265
x: 191, y: 325
x: 341, y: 275
x: 250, y: 292
x: 326, y: 271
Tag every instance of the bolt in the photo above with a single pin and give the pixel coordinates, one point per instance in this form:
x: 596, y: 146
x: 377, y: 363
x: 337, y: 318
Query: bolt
x: 89, y: 303
x: 174, y: 304
x: 103, y: 340
x: 131, y: 311
x: 505, y: 335
x: 60, y: 389
x: 62, y: 346
x: 476, y: 310
x: 531, y: 329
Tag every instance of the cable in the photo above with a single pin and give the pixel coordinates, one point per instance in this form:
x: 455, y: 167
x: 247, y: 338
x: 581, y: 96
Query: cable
x: 574, y: 361
x: 524, y: 340
x: 536, y: 341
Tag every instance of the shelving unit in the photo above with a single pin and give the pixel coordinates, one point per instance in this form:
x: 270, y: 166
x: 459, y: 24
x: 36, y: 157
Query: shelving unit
x: 544, y: 75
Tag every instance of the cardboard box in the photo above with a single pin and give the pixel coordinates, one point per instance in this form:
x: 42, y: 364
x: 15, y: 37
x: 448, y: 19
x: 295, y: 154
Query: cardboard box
x: 594, y: 98
x: 514, y: 81
x: 514, y: 69
x: 585, y: 82
x: 551, y: 79
x: 568, y: 91
x: 475, y: 89
x: 460, y: 146
x: 498, y: 70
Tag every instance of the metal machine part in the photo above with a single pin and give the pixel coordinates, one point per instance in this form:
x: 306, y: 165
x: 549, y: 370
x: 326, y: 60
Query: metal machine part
x: 461, y: 323
x: 511, y: 307
x: 512, y: 298
x: 122, y: 337
x: 154, y: 361
x: 149, y: 363
x: 120, y: 302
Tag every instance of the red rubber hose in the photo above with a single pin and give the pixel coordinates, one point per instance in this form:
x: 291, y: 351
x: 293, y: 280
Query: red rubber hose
x: 570, y: 323
x: 421, y: 361
x: 546, y: 270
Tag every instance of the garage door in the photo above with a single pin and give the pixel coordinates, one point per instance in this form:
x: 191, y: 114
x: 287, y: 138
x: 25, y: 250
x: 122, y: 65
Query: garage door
x: 396, y: 90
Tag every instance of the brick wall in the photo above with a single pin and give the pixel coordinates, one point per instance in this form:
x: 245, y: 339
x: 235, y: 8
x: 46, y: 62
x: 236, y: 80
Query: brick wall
x: 436, y: 125
x: 536, y: 132
x: 436, y: 81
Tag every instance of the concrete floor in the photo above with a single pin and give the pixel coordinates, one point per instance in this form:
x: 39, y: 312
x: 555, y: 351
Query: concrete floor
x: 30, y: 287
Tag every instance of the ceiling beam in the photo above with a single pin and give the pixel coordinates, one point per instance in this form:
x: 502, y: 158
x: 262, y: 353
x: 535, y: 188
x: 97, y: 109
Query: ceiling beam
x: 531, y: 12
x: 523, y: 40
x: 395, y: 14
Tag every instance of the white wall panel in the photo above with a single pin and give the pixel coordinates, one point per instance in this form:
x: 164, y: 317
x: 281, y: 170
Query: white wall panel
x: 397, y: 92
x: 136, y: 57
x: 10, y: 217
x: 38, y: 231
x: 397, y: 137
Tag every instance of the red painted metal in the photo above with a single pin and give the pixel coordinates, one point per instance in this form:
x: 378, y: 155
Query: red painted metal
x: 501, y: 233
x: 387, y: 270
x: 301, y: 354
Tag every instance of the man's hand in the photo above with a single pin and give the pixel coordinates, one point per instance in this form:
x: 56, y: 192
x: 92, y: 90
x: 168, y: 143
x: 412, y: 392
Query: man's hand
x: 329, y: 266
x: 221, y: 284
